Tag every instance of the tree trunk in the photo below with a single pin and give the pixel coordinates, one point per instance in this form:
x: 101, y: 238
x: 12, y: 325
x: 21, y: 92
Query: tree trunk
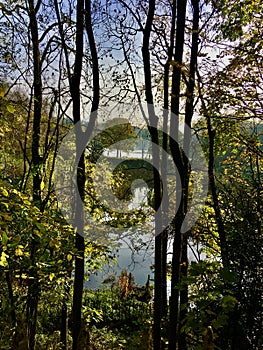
x: 33, y: 286
x: 79, y: 220
x: 178, y: 159
x: 189, y: 110
x: 159, y: 248
x: 83, y: 12
x: 164, y: 158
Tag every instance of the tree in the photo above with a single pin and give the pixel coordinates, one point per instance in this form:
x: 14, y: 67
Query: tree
x: 83, y: 18
x: 157, y: 59
x: 232, y: 124
x: 43, y: 42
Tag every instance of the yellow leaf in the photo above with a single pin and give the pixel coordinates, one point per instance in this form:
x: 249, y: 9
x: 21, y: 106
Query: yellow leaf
x: 3, y: 261
x: 51, y: 276
x: 52, y: 243
x: 19, y: 251
x: 57, y: 244
x: 4, y: 191
x: 6, y: 205
x: 11, y: 109
x: 69, y: 257
x: 42, y: 185
x: 38, y: 233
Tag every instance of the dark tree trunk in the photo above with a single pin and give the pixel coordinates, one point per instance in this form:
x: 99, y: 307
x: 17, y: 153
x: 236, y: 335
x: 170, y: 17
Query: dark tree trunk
x: 79, y: 220
x: 11, y: 297
x: 189, y: 110
x: 178, y: 159
x: 64, y: 326
x: 182, y: 342
x: 159, y: 249
x: 95, y: 63
x: 164, y: 158
x: 33, y: 286
x: 83, y: 12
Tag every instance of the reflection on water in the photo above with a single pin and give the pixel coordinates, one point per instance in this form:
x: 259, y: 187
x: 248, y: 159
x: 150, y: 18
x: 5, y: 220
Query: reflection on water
x: 136, y: 249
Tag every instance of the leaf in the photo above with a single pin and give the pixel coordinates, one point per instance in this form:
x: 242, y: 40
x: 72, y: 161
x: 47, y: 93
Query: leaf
x: 3, y: 261
x: 228, y: 303
x: 40, y: 227
x: 11, y: 109
x: 37, y: 233
x: 69, y: 257
x: 42, y: 185
x: 4, y: 238
x: 51, y: 276
x: 19, y: 251
x: 5, y: 193
x: 6, y: 205
x: 52, y: 243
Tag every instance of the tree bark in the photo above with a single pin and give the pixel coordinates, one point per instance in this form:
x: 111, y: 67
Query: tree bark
x: 189, y: 110
x: 178, y: 159
x: 164, y: 157
x: 158, y: 265
x: 33, y: 286
x: 79, y: 220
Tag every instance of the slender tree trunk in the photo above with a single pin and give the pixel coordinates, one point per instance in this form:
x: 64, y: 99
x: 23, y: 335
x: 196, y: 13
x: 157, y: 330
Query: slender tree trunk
x: 36, y: 160
x: 189, y: 110
x: 33, y: 287
x: 164, y: 158
x: 159, y: 249
x: 64, y: 326
x: 178, y: 159
x: 11, y: 297
x: 79, y: 220
x: 83, y: 12
x: 95, y: 65
x: 75, y: 92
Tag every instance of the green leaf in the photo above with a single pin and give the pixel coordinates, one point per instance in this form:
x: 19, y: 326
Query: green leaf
x: 4, y: 238
x: 228, y: 303
x: 40, y: 227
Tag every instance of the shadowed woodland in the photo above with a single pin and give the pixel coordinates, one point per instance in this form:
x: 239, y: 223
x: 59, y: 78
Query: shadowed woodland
x: 63, y: 65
